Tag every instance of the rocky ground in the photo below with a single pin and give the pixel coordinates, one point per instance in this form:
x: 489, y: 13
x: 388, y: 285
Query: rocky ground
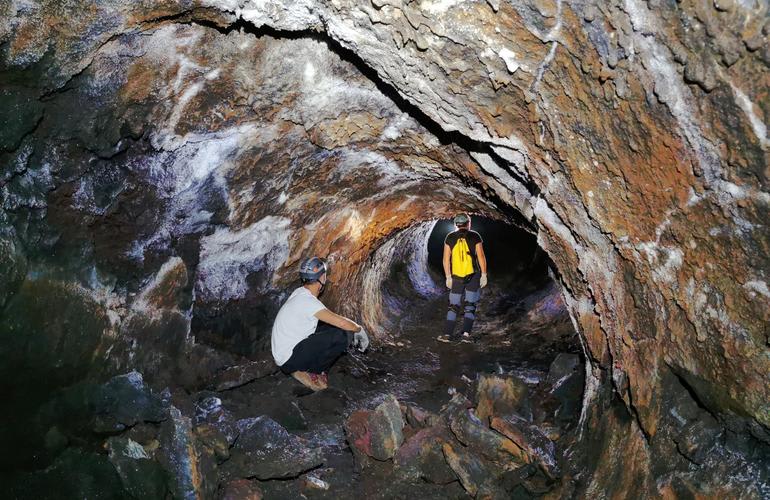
x: 412, y: 416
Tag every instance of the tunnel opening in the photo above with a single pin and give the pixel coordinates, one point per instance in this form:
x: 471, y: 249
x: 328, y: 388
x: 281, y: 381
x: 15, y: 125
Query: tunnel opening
x: 522, y: 296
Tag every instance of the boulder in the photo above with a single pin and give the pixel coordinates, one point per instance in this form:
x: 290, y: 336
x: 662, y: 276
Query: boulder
x: 192, y: 468
x: 421, y: 457
x: 115, y: 406
x: 479, y: 478
x: 265, y: 450
x: 529, y: 438
x: 376, y: 434
x: 141, y: 477
x: 124, y: 401
x: 475, y: 434
x: 501, y: 395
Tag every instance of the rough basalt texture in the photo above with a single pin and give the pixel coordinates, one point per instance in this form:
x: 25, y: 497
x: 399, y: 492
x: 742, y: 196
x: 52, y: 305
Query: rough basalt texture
x: 165, y: 165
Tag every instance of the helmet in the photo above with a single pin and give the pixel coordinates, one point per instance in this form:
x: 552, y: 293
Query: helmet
x: 462, y: 220
x: 312, y: 269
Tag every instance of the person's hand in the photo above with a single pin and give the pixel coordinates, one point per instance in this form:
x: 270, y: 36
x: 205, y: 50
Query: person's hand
x: 449, y: 282
x: 361, y: 340
x: 483, y: 280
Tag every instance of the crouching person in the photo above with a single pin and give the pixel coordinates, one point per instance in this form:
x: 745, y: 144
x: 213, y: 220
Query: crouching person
x: 307, y: 338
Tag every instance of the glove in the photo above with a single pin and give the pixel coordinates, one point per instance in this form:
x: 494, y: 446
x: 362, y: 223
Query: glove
x: 449, y: 282
x: 483, y: 280
x: 361, y: 340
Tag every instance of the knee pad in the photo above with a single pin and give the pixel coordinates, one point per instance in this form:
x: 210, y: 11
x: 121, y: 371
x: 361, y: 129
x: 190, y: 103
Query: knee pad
x: 470, y: 310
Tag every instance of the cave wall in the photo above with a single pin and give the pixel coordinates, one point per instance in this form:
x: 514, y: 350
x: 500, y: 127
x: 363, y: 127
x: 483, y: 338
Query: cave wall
x: 629, y: 135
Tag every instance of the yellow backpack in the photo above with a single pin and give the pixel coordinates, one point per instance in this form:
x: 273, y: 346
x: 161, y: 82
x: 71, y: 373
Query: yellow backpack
x: 462, y: 262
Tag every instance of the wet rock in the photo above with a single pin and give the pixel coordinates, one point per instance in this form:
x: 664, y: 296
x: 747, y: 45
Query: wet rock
x: 265, y: 450
x: 539, y: 448
x: 501, y: 395
x: 478, y: 478
x: 377, y: 433
x: 472, y: 432
x: 421, y: 457
x: 241, y: 489
x: 192, y: 469
x: 236, y: 376
x: 141, y: 477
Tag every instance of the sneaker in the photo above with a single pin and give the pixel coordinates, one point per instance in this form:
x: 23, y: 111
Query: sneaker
x: 448, y: 339
x: 467, y: 338
x: 312, y: 381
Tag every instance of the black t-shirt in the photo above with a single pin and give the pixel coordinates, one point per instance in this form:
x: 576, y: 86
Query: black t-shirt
x: 471, y: 237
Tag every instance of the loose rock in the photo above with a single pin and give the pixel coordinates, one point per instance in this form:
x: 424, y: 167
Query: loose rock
x: 421, y: 457
x: 265, y: 450
x: 501, y: 395
x: 376, y: 434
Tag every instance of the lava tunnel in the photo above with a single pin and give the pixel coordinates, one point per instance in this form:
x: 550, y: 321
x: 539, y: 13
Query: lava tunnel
x: 165, y: 167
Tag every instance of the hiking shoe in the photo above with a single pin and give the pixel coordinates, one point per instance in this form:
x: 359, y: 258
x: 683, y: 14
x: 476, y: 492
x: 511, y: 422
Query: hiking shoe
x: 312, y: 381
x: 468, y: 338
x: 449, y: 339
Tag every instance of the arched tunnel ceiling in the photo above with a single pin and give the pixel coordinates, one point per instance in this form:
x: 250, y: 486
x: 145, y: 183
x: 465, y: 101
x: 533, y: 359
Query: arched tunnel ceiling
x: 631, y: 135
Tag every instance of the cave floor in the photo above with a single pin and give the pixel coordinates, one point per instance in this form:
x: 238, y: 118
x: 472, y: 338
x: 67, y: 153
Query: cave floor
x: 413, y: 366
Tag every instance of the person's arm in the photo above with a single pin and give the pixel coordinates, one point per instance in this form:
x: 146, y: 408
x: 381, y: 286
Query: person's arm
x: 333, y: 319
x: 481, y: 257
x: 447, y: 255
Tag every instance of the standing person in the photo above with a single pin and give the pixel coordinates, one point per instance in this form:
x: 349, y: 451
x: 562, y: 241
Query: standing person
x: 307, y: 338
x: 465, y: 268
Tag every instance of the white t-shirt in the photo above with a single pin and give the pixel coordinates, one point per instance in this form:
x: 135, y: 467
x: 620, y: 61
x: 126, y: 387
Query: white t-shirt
x: 294, y: 323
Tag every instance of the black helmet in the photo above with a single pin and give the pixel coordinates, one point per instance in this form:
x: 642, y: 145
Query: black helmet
x: 312, y: 269
x: 462, y: 220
